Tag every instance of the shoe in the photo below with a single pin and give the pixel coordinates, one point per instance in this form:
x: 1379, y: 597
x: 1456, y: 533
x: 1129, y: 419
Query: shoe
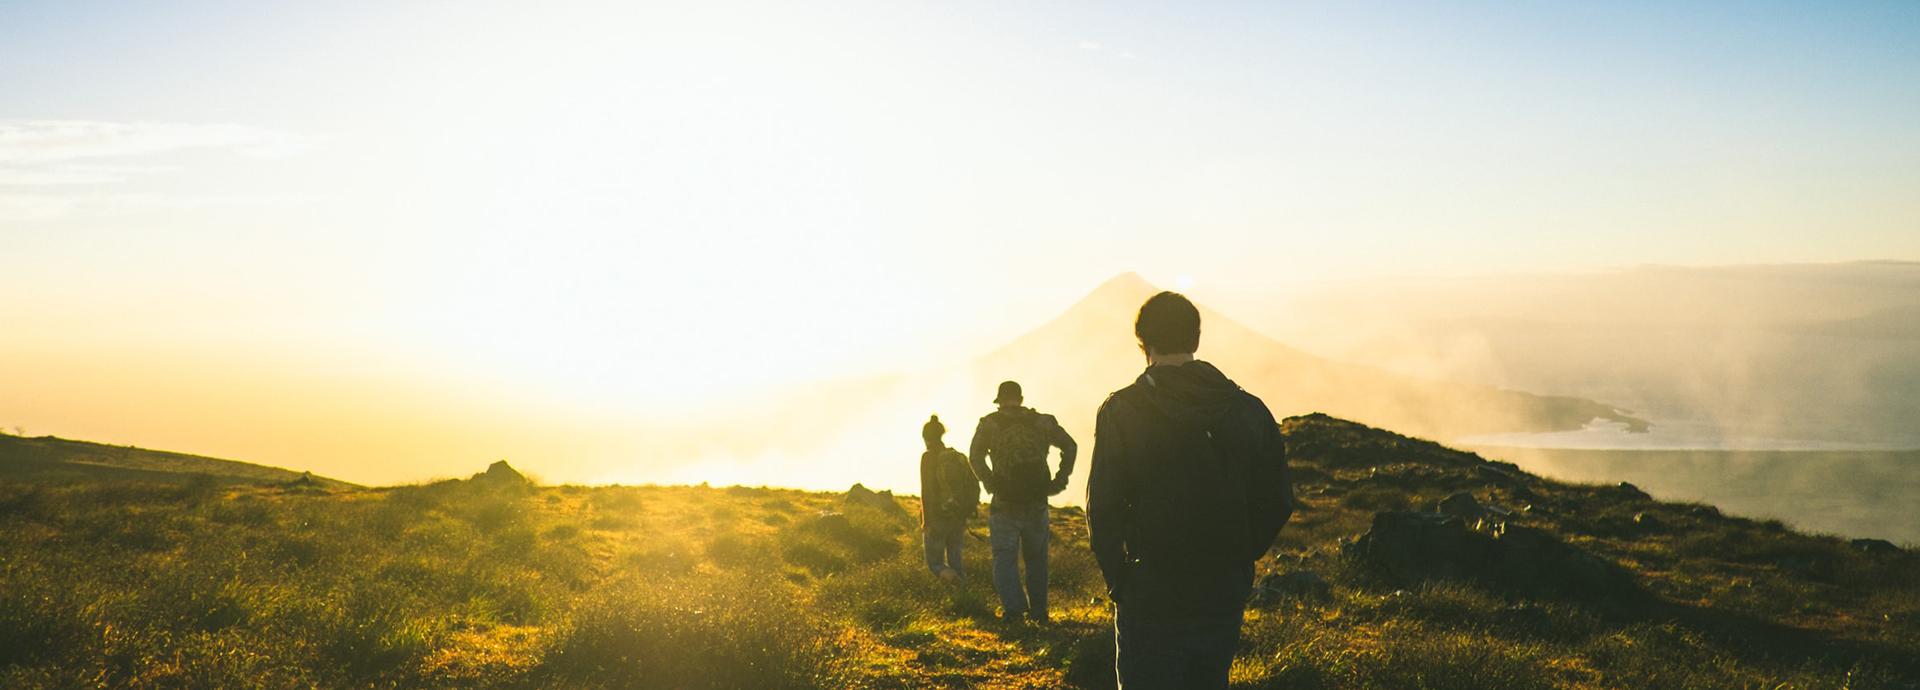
x: 1040, y: 618
x: 1013, y: 618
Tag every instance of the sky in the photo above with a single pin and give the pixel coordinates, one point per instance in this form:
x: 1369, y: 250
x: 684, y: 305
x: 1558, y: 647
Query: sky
x: 405, y: 230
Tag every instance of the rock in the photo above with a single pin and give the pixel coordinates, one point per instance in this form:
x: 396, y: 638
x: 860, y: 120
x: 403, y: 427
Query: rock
x: 1301, y: 585
x: 1703, y: 512
x: 1877, y: 547
x: 1648, y: 522
x: 883, y: 501
x: 1493, y: 473
x: 1531, y: 560
x: 305, y: 483
x: 1460, y: 505
x: 1413, y: 547
x: 501, y: 473
x: 1410, y: 548
x: 1632, y: 492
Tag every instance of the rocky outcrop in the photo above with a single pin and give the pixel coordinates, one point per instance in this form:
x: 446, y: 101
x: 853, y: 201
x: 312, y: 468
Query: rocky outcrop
x: 1408, y: 548
x: 883, y: 501
x: 502, y: 474
x: 1878, y: 547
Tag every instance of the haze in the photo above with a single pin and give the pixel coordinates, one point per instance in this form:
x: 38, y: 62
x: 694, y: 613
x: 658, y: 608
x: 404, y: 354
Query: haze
x: 391, y: 241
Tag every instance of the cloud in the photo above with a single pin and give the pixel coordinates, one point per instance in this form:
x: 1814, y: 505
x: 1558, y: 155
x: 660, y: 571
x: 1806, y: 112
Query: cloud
x: 45, y: 142
x: 55, y: 168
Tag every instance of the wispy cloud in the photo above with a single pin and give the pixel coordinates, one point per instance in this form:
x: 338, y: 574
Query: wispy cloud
x: 55, y: 168
x: 42, y: 142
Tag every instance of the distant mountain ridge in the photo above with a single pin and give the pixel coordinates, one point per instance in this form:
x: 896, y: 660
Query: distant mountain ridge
x: 48, y: 457
x: 1089, y: 350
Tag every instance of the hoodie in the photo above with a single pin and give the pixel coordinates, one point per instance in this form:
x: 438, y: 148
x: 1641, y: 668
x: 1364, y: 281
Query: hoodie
x: 1188, y: 488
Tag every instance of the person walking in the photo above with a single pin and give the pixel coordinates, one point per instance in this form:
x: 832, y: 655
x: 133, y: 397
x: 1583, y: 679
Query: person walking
x: 1009, y: 455
x: 1188, y: 488
x: 949, y: 495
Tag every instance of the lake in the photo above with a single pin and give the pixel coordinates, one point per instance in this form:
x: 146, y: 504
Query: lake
x: 1854, y: 493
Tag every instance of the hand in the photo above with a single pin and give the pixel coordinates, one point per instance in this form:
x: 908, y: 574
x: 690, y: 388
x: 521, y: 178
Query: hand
x: 1059, y: 485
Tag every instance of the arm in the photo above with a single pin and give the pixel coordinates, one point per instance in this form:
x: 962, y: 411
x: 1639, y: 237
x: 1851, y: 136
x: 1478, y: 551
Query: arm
x: 1068, y: 449
x: 929, y: 486
x: 977, y: 456
x: 1108, y: 511
x: 1270, y: 491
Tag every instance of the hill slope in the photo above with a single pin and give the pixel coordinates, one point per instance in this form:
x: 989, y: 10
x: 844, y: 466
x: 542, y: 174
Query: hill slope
x: 50, y: 458
x: 1089, y: 351
x: 493, y: 582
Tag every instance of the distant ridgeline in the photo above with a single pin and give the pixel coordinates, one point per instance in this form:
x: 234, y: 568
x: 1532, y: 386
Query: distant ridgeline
x: 57, y: 459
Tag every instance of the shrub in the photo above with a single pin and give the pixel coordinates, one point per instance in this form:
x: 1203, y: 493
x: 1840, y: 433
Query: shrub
x: 691, y: 633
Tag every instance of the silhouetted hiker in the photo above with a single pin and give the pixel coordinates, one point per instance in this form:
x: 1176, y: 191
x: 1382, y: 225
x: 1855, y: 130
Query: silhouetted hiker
x: 1188, y: 488
x: 948, y: 496
x: 1016, y: 438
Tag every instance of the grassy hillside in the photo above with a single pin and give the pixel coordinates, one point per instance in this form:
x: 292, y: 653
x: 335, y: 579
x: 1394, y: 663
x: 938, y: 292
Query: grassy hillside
x: 50, y: 458
x: 493, y: 582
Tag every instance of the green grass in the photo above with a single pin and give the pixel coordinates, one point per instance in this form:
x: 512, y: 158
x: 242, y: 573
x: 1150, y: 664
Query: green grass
x: 132, y: 583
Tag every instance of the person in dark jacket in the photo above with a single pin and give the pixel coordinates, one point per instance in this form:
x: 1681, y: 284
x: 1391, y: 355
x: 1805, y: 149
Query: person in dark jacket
x: 949, y: 495
x: 1009, y: 454
x: 1188, y: 489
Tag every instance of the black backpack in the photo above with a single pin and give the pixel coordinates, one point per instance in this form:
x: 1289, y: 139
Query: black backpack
x: 1191, y: 506
x: 1020, y: 446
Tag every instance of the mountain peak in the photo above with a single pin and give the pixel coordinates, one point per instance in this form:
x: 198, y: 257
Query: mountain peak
x: 1127, y: 284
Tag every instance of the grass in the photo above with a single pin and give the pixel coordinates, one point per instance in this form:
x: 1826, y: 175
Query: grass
x: 131, y: 583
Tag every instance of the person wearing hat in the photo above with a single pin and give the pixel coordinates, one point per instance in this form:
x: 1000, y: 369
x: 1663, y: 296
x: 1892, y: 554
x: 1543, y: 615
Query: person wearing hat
x: 949, y: 495
x: 1009, y: 455
x: 1188, y: 488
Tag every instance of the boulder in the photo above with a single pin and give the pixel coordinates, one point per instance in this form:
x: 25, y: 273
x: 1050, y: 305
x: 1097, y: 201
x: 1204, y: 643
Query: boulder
x: 1631, y: 492
x: 1411, y: 548
x: 1532, y: 561
x: 883, y: 501
x: 1877, y: 547
x: 502, y: 474
x: 1461, y: 505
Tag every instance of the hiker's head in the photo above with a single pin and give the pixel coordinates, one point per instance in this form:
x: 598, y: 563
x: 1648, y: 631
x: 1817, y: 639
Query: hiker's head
x: 933, y: 432
x: 1168, y: 325
x: 1009, y: 395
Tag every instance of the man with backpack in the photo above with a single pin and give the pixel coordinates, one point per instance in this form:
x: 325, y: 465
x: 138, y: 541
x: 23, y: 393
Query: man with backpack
x: 1009, y: 454
x: 948, y: 496
x: 1188, y: 488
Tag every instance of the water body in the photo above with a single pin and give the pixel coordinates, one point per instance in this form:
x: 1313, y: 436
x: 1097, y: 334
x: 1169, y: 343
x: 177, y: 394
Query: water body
x: 1853, y: 493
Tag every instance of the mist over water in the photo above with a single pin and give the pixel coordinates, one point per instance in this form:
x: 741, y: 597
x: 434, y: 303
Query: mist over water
x: 1850, y: 493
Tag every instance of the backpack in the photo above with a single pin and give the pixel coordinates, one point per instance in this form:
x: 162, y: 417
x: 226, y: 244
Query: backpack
x: 1020, y: 443
x: 962, y: 489
x: 1191, y: 503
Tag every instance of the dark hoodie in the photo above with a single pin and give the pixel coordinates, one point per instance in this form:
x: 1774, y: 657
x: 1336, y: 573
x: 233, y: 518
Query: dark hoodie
x: 1188, y: 488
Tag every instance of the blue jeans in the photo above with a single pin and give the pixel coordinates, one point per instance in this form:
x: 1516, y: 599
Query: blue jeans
x: 1179, y: 654
x: 1019, y: 531
x: 943, y: 546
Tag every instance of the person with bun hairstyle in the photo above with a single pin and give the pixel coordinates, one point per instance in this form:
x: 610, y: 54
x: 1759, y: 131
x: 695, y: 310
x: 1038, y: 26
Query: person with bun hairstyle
x: 949, y: 495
